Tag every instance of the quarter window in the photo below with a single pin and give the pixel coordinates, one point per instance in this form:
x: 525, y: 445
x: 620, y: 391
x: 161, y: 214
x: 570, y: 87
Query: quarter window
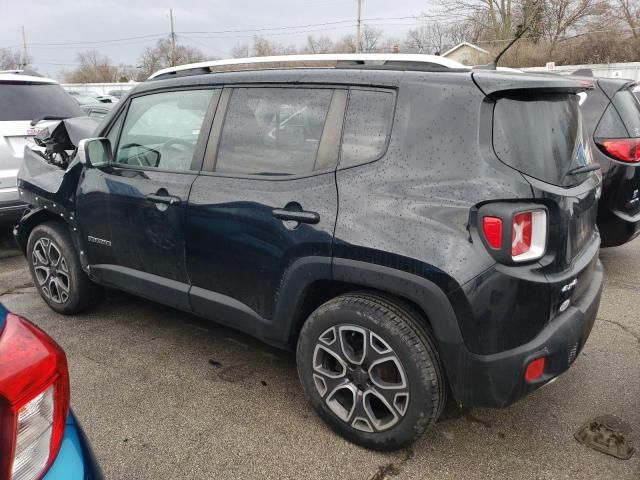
x: 367, y: 125
x: 161, y: 130
x: 273, y: 131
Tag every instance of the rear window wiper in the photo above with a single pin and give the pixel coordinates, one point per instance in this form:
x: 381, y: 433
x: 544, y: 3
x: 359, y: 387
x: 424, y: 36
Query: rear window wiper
x: 46, y: 117
x: 584, y: 169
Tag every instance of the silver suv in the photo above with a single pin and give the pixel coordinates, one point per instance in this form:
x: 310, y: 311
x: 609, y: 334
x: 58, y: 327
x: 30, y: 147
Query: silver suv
x: 24, y: 98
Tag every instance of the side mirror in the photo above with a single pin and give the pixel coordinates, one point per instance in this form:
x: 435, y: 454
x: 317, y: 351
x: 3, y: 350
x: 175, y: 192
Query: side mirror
x: 94, y: 152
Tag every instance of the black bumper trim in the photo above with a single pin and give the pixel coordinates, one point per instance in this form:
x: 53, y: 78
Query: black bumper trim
x: 497, y: 380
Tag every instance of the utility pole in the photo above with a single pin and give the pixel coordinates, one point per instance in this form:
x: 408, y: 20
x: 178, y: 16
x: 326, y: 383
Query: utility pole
x: 173, y: 40
x: 358, y: 38
x: 25, y: 55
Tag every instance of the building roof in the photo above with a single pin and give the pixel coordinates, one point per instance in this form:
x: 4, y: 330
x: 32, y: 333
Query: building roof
x: 464, y: 44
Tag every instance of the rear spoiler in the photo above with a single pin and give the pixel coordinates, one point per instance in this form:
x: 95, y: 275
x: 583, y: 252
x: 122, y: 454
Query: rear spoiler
x: 495, y: 84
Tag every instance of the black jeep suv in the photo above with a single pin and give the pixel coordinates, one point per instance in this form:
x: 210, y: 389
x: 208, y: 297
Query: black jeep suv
x: 412, y: 231
x: 612, y: 122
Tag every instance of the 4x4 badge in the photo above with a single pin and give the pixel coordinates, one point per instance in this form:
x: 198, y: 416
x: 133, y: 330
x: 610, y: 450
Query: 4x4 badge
x: 570, y: 285
x: 99, y: 241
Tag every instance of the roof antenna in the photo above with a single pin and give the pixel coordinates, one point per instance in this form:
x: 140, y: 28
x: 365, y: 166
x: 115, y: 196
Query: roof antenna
x: 493, y: 65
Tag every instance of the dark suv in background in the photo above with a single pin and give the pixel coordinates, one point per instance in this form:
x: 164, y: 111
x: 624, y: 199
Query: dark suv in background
x: 612, y: 121
x: 412, y: 230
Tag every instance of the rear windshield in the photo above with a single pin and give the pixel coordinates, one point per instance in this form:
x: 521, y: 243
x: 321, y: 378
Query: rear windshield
x: 621, y: 119
x: 541, y: 136
x: 26, y: 101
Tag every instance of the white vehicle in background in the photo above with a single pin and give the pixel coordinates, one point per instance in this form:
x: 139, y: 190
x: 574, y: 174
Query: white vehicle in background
x: 24, y: 98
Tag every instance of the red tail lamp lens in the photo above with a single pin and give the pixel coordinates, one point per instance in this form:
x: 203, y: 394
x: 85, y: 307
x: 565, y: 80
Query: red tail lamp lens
x: 492, y: 228
x: 622, y: 149
x: 34, y: 399
x: 534, y: 370
x: 521, y: 233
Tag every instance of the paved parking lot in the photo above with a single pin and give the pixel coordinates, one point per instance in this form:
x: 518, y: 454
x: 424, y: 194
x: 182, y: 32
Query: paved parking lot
x: 162, y: 394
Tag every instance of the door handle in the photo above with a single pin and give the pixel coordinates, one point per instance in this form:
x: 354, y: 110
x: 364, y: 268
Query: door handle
x: 296, y: 216
x: 164, y: 199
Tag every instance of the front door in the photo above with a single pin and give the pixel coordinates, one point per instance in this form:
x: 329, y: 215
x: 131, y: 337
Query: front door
x: 269, y: 202
x: 133, y: 211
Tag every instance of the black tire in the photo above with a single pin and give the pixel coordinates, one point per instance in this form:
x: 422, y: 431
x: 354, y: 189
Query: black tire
x: 81, y: 293
x: 407, y: 334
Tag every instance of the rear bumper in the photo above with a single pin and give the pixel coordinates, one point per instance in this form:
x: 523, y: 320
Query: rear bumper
x: 11, y: 208
x: 497, y: 380
x: 617, y: 228
x: 76, y: 460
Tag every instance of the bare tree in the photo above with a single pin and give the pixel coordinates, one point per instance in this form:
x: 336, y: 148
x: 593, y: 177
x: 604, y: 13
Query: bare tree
x: 161, y: 56
x: 322, y: 44
x: 495, y: 17
x: 370, y: 38
x: 241, y: 50
x: 629, y: 11
x: 93, y: 67
x: 9, y: 59
x: 346, y: 44
x: 562, y: 16
x: 429, y: 38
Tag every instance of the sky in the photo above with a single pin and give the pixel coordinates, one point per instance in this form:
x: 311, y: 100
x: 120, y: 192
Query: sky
x: 115, y: 27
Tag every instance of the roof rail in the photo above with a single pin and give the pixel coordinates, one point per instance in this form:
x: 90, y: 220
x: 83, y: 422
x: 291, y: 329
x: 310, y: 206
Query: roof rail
x: 337, y: 58
x: 11, y: 71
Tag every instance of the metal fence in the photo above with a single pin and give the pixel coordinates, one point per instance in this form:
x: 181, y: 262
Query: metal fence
x: 100, y: 88
x: 609, y: 70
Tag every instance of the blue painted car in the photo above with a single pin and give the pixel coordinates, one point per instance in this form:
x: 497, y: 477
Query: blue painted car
x: 40, y: 438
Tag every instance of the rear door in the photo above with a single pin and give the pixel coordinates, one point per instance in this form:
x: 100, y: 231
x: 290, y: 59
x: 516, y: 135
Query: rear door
x: 132, y: 212
x: 266, y: 201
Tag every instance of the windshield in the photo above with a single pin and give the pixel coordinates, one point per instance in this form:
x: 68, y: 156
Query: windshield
x: 26, y: 101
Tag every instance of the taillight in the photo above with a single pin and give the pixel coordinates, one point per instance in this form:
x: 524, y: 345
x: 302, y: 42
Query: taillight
x: 34, y: 400
x: 622, y: 149
x: 514, y: 233
x: 528, y: 235
x: 492, y: 229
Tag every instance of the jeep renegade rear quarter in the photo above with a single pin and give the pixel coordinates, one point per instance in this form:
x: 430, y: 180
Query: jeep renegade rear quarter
x: 453, y: 154
x: 402, y: 228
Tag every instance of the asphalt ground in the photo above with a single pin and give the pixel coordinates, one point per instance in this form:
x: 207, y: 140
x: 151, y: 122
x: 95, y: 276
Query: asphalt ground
x: 163, y: 394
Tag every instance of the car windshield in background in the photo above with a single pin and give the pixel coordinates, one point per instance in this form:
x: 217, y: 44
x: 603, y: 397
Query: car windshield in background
x: 540, y: 135
x: 26, y: 101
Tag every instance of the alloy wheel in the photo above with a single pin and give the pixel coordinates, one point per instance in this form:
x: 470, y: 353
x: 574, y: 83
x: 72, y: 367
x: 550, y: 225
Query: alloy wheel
x: 51, y: 270
x: 360, y: 378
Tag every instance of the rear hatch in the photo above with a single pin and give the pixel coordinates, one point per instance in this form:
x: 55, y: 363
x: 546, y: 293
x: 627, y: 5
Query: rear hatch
x: 538, y: 131
x: 618, y: 137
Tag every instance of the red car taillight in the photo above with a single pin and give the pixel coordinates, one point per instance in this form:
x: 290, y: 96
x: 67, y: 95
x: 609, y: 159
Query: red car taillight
x: 623, y: 149
x: 34, y: 400
x: 492, y: 229
x: 514, y: 233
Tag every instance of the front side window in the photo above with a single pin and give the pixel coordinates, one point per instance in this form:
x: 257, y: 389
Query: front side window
x: 273, y: 131
x: 161, y: 130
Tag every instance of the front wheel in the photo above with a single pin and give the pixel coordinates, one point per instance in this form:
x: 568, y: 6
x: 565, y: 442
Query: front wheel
x: 369, y: 367
x: 56, y: 270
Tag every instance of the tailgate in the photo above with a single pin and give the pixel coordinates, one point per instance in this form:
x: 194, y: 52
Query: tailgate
x: 14, y: 136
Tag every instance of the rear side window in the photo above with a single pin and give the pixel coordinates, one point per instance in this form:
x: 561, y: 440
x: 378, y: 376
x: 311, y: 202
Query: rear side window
x: 621, y: 119
x: 273, y: 131
x: 367, y: 126
x: 27, y: 101
x: 541, y: 136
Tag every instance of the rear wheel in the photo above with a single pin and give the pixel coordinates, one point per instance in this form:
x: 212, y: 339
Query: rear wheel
x: 56, y: 271
x: 369, y: 367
